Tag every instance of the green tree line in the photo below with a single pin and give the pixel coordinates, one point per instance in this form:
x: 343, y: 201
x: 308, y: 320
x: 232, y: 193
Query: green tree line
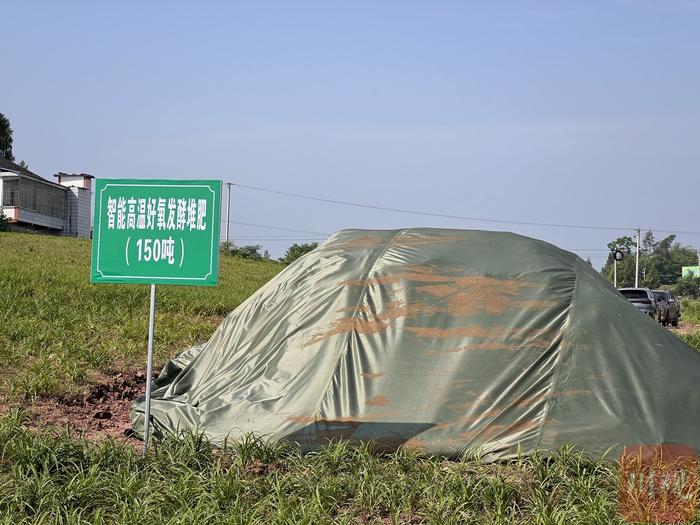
x: 255, y: 251
x: 660, y: 264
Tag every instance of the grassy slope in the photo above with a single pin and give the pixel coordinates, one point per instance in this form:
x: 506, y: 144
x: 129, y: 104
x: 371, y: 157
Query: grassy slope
x: 55, y: 327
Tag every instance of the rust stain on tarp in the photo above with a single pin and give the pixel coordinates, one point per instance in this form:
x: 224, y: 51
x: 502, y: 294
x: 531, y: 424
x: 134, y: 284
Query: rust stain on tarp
x: 346, y: 325
x: 452, y: 295
x: 377, y: 401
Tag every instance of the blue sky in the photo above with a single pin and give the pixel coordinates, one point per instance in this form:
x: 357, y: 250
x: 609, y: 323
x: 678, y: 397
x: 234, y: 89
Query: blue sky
x: 562, y: 112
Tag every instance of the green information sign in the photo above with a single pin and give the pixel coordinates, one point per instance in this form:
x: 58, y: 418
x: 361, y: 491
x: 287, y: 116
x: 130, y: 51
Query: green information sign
x: 156, y: 231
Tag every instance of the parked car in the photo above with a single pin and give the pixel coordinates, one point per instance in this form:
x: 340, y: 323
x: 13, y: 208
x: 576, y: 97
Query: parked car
x: 670, y: 305
x: 643, y: 299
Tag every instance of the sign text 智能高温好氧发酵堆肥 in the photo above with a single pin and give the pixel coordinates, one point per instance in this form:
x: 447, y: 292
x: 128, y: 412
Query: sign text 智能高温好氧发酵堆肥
x: 156, y: 231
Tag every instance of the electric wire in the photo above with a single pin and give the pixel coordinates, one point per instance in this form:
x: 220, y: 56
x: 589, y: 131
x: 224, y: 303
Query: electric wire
x: 456, y: 217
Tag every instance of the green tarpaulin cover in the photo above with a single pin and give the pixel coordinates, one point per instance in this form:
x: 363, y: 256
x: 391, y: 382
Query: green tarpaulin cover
x: 440, y: 340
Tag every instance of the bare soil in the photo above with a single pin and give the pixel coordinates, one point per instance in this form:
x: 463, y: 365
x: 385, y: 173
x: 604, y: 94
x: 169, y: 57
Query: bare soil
x: 685, y: 328
x: 101, y: 412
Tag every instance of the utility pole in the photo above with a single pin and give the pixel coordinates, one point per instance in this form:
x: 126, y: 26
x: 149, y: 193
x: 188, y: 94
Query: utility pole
x: 228, y: 209
x: 636, y: 266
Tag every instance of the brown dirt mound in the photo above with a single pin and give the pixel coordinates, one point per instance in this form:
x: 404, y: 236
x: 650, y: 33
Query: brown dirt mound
x: 100, y: 413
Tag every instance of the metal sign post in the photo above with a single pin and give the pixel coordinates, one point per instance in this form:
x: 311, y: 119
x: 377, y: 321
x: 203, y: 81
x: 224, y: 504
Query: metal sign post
x: 156, y: 232
x: 149, y: 368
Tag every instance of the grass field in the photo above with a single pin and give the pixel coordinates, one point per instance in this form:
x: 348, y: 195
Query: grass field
x: 56, y: 328
x: 57, y: 331
x: 57, y: 479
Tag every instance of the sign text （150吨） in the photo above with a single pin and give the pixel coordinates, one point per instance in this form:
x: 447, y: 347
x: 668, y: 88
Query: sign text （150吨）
x: 156, y: 231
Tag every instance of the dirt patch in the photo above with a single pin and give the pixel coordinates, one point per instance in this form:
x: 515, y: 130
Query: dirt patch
x: 258, y: 468
x: 100, y: 413
x: 685, y: 328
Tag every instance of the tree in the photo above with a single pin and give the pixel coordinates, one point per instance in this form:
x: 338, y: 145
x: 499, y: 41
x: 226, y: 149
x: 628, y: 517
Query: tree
x: 687, y: 287
x: 649, y: 277
x: 248, y: 251
x: 648, y: 243
x: 624, y: 244
x: 297, y: 250
x: 5, y: 138
x: 625, y: 268
x: 663, y: 261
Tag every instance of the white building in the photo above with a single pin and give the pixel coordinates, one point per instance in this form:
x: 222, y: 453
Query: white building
x: 32, y: 203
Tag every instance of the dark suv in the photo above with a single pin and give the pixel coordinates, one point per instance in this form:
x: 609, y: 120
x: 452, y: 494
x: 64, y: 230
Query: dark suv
x: 643, y: 299
x: 670, y: 307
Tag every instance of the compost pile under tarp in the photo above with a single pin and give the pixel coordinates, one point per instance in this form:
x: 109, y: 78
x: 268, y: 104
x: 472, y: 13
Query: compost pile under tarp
x: 440, y: 340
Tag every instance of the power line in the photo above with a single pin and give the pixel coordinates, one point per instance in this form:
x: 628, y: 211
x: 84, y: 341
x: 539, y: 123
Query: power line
x: 280, y: 228
x: 275, y: 239
x: 450, y: 216
x: 587, y: 249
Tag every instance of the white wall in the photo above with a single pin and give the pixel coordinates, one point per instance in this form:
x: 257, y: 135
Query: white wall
x: 75, y: 181
x: 9, y: 211
x: 77, y: 218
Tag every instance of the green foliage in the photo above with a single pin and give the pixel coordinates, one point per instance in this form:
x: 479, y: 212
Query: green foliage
x: 297, y: 250
x: 687, y: 287
x: 690, y: 311
x: 3, y: 221
x: 625, y: 244
x: 660, y: 262
x: 692, y: 339
x: 247, y: 251
x: 5, y: 138
x: 48, y: 478
x: 56, y: 327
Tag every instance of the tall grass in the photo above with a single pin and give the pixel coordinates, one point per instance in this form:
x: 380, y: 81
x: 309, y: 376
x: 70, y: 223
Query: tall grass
x: 56, y: 328
x: 690, y: 311
x: 60, y: 479
x: 692, y: 339
x: 690, y: 314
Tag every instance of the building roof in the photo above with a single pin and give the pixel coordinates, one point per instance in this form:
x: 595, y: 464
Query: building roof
x: 8, y: 165
x: 86, y: 175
